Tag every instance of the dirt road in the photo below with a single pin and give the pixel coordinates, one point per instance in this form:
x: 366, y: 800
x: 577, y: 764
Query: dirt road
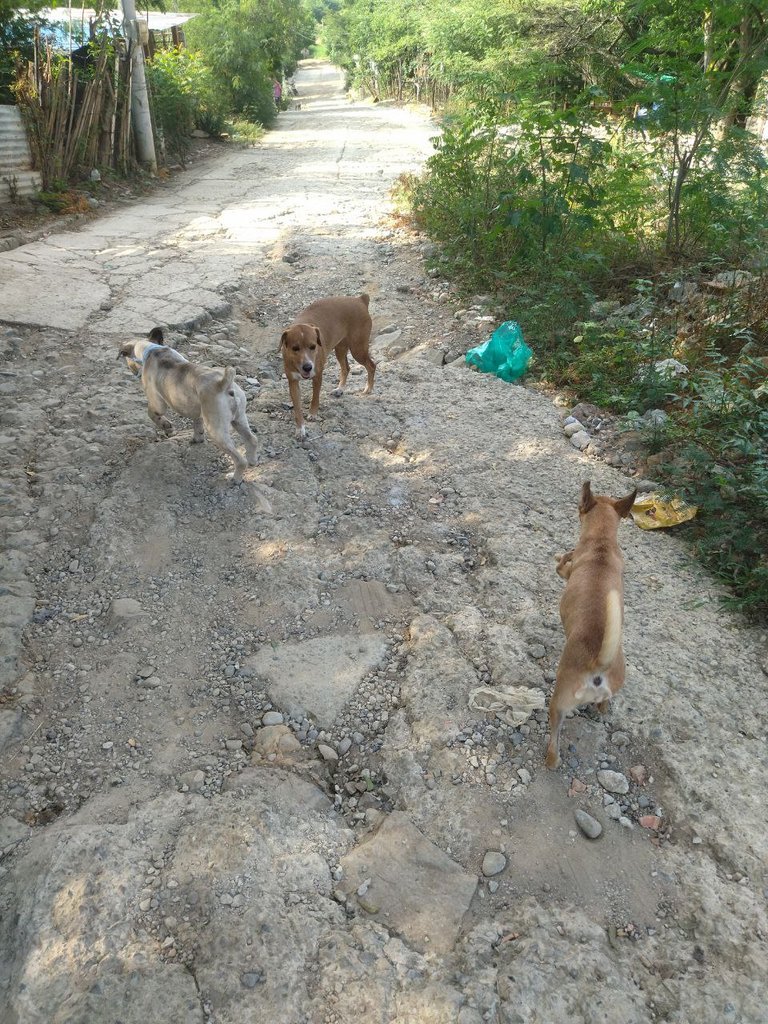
x: 240, y: 778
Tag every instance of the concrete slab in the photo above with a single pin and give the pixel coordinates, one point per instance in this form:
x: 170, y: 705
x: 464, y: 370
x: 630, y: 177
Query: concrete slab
x: 23, y: 299
x: 409, y: 884
x: 318, y: 676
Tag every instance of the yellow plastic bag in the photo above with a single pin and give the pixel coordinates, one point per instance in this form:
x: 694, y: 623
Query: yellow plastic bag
x: 651, y: 511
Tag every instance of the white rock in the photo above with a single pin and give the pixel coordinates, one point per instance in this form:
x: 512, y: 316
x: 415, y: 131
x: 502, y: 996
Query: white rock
x: 572, y: 428
x: 614, y: 782
x: 493, y: 863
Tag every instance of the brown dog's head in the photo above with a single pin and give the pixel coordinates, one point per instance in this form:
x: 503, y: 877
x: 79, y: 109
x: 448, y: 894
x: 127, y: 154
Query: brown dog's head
x: 299, y: 345
x: 622, y: 506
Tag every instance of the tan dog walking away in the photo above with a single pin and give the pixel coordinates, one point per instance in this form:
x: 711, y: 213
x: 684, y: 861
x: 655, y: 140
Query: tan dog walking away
x: 341, y: 324
x: 591, y: 668
x: 210, y: 398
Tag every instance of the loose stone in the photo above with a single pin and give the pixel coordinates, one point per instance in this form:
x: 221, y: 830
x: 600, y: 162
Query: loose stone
x: 614, y: 782
x: 590, y: 826
x: 493, y: 863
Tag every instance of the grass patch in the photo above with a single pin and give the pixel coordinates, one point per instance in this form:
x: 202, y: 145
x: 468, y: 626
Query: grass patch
x: 243, y: 131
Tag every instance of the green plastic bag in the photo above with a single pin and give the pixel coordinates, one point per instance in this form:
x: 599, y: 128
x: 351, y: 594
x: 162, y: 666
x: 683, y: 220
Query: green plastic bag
x: 505, y: 353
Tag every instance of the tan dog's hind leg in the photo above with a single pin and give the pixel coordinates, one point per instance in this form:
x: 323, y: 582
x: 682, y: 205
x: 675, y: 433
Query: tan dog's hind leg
x: 358, y: 346
x: 371, y: 368
x: 615, y: 677
x: 560, y: 704
x: 556, y: 717
x: 341, y: 354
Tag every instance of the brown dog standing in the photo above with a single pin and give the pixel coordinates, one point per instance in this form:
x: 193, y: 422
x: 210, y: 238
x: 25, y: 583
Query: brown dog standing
x: 591, y: 668
x: 341, y: 324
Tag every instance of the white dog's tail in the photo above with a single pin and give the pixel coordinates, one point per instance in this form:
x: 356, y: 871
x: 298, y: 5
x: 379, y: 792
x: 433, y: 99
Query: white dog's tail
x: 227, y: 380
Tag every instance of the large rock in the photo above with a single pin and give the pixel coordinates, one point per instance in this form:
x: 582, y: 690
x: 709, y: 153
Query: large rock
x: 188, y: 901
x: 318, y: 676
x: 415, y: 889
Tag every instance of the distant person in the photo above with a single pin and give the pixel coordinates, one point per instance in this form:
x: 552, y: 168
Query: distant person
x: 277, y: 93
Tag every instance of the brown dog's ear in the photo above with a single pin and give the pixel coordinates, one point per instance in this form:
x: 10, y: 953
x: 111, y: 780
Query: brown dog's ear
x: 126, y: 349
x: 587, y: 498
x: 283, y: 340
x: 156, y: 336
x: 624, y: 505
x: 317, y: 335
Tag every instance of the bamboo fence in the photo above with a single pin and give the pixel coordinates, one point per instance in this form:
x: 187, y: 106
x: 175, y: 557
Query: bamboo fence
x: 77, y: 112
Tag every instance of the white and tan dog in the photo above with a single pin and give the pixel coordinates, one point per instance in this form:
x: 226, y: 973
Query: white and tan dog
x: 210, y: 398
x: 591, y: 668
x: 340, y: 324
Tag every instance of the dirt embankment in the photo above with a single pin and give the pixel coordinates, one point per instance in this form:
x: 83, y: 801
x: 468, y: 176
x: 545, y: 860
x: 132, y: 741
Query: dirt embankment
x: 240, y: 776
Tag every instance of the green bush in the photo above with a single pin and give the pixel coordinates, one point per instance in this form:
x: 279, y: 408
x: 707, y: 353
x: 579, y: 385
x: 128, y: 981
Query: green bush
x: 246, y: 44
x: 184, y: 97
x: 173, y: 100
x: 721, y: 465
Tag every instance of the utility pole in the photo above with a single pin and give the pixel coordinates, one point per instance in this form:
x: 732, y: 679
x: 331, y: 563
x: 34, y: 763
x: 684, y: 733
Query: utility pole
x: 142, y: 122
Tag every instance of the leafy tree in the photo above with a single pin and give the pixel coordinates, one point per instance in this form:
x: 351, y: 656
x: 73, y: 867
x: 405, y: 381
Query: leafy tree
x: 16, y: 39
x: 247, y: 43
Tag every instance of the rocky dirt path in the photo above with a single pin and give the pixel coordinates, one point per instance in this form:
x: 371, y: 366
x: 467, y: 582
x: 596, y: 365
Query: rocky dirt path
x: 240, y: 776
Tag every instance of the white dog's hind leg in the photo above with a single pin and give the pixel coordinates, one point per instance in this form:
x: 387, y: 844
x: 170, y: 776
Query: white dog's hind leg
x: 160, y: 421
x: 224, y: 443
x: 241, y: 425
x: 198, y: 434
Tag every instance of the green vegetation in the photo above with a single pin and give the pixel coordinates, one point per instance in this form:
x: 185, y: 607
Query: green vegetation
x: 16, y: 42
x: 246, y: 44
x: 601, y: 149
x: 184, y: 97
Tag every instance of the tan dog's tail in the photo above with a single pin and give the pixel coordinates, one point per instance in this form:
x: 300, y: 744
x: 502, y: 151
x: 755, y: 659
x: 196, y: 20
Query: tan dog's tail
x: 227, y: 380
x: 365, y: 299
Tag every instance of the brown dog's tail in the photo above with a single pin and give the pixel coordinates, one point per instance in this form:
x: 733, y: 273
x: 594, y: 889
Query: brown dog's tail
x: 365, y: 299
x: 227, y: 379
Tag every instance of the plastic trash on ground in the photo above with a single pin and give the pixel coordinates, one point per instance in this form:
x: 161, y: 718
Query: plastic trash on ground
x: 505, y: 353
x: 514, y: 704
x: 652, y: 512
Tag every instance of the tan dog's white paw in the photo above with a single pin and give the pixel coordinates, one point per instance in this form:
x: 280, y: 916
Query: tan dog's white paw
x: 301, y: 433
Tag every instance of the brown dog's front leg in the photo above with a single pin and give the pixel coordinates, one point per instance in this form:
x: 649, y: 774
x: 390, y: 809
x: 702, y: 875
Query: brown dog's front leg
x: 295, y: 393
x: 317, y: 381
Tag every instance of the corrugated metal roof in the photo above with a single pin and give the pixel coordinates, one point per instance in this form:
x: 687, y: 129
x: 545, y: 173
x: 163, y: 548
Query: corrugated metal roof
x: 157, y: 21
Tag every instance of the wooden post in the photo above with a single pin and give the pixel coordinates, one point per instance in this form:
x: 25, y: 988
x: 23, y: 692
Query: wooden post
x: 142, y: 121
